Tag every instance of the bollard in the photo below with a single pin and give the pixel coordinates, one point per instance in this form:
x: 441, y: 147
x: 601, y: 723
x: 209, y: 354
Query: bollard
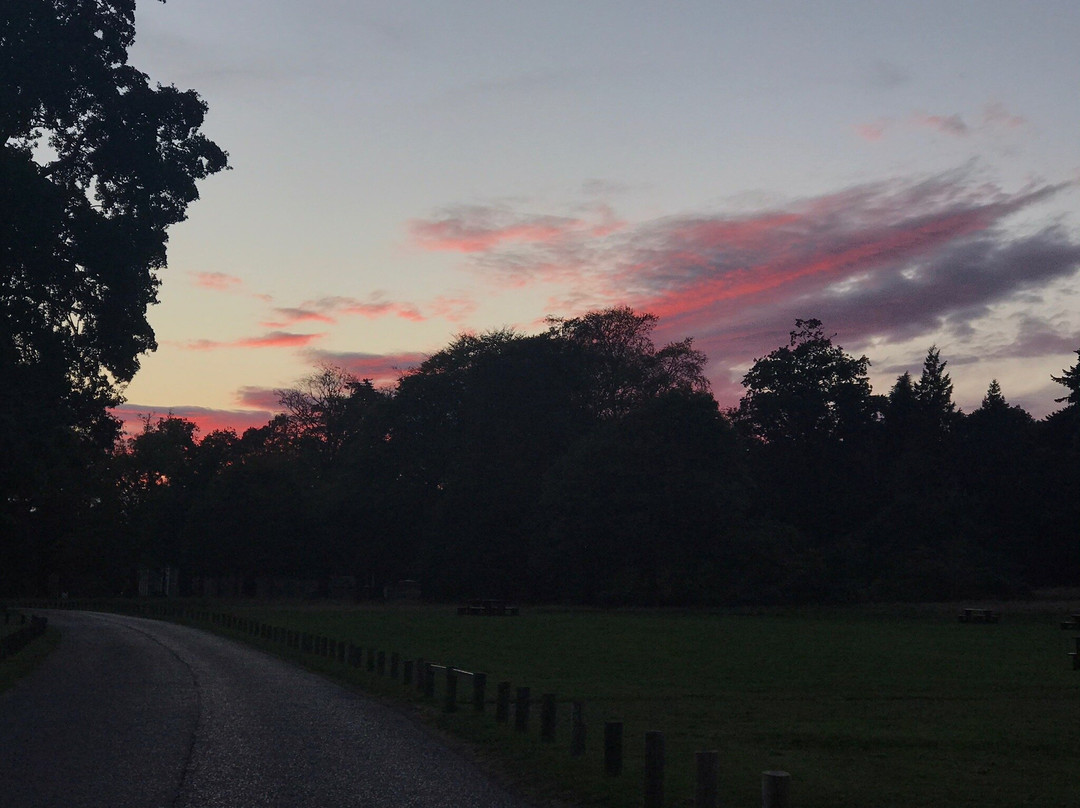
x: 577, y: 729
x: 450, y: 703
x: 547, y: 717
x: 429, y: 680
x: 395, y: 662
x: 406, y: 672
x: 371, y: 659
x: 380, y: 663
x: 521, y: 710
x: 774, y: 789
x: 654, y: 769
x: 420, y: 673
x: 479, y: 686
x: 502, y: 703
x: 707, y: 793
x: 613, y: 748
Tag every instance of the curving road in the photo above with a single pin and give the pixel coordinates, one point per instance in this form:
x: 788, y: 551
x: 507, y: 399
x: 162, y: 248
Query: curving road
x: 133, y: 713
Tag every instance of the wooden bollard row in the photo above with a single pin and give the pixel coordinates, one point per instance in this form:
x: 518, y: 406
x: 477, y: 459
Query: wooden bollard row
x: 775, y: 785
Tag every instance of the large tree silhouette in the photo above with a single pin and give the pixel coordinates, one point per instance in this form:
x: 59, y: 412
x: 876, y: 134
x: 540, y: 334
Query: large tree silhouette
x: 95, y: 165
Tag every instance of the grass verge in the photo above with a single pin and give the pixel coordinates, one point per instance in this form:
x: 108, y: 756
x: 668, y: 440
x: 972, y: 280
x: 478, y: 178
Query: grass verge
x: 18, y: 665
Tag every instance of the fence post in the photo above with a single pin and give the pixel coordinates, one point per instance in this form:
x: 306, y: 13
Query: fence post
x: 370, y: 659
x: 774, y: 789
x: 502, y: 703
x: 406, y: 672
x: 654, y: 769
x: 450, y: 703
x: 577, y: 729
x: 707, y: 794
x: 380, y: 663
x: 547, y: 717
x: 395, y: 661
x: 479, y: 686
x: 521, y: 709
x: 429, y: 680
x: 613, y: 748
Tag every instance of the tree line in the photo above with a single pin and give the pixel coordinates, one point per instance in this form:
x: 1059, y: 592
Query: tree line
x: 587, y: 465
x: 583, y: 464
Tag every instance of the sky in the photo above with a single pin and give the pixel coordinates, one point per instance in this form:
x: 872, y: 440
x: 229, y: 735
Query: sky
x: 402, y: 172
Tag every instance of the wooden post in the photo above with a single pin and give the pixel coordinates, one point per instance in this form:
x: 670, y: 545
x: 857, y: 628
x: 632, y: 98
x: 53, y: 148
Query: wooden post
x: 380, y: 663
x: 420, y: 673
x: 407, y: 672
x: 370, y: 659
x: 479, y: 687
x: 450, y: 703
x: 613, y: 748
x: 502, y: 703
x: 707, y: 794
x: 654, y: 769
x: 774, y: 789
x: 429, y: 680
x: 547, y: 717
x: 395, y: 661
x: 521, y: 710
x: 577, y: 729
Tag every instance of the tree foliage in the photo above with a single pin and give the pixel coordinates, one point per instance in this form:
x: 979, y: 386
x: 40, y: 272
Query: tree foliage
x: 95, y: 165
x: 807, y: 391
x: 572, y: 466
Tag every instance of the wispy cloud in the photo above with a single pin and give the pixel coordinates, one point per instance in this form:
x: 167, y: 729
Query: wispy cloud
x: 286, y: 316
x: 992, y: 120
x: 217, y: 281
x: 207, y: 419
x: 482, y: 228
x: 888, y: 262
x: 274, y: 339
x: 259, y: 398
x: 382, y: 369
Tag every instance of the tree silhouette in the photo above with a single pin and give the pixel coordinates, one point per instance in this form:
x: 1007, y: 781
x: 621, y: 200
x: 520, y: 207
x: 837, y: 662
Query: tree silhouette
x: 807, y: 391
x: 95, y: 165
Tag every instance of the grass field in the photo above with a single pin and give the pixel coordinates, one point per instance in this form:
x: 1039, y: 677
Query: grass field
x: 886, y: 707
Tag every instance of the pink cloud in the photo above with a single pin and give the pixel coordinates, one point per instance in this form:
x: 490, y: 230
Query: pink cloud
x: 872, y: 131
x: 382, y: 369
x: 995, y: 114
x: 329, y: 309
x: 207, y: 419
x: 887, y: 261
x: 288, y: 316
x: 275, y: 339
x: 260, y: 398
x: 481, y: 229
x: 217, y: 281
x: 946, y: 124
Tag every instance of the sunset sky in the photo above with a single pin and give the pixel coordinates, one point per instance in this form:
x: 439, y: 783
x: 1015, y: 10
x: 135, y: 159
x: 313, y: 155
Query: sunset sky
x: 908, y: 173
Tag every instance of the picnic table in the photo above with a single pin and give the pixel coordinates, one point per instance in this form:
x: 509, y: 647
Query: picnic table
x: 980, y: 616
x: 489, y: 607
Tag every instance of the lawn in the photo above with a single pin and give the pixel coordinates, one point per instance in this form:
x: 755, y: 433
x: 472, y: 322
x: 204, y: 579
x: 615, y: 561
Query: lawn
x: 883, y: 707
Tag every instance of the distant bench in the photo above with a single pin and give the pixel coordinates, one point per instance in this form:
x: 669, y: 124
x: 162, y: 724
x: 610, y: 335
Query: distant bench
x: 980, y: 616
x: 497, y: 608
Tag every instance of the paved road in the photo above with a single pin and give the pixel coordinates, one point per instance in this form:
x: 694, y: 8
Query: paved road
x: 132, y: 713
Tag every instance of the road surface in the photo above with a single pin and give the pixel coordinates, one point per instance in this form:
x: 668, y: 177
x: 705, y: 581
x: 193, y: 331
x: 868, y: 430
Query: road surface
x: 134, y: 713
